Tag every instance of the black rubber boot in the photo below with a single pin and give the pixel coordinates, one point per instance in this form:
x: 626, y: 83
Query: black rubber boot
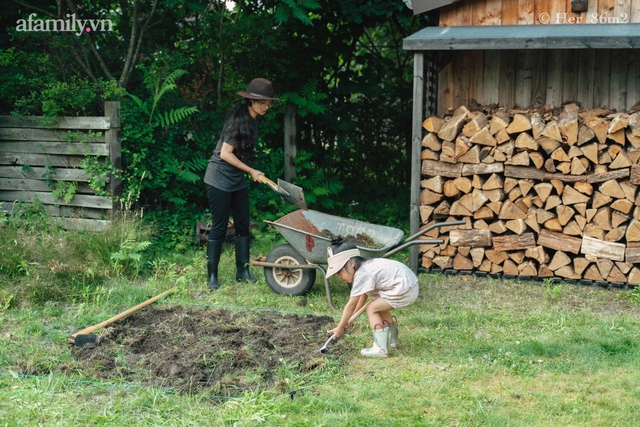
x: 242, y: 260
x: 214, y: 248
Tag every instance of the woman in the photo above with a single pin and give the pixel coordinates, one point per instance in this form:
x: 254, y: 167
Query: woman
x: 226, y: 186
x: 390, y: 284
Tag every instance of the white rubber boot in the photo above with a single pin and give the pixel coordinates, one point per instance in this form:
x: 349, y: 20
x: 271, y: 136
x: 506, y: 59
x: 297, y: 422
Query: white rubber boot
x: 393, y: 334
x: 380, y: 343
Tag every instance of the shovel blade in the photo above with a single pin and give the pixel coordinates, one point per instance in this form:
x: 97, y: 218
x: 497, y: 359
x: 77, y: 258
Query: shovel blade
x: 325, y: 347
x: 294, y: 195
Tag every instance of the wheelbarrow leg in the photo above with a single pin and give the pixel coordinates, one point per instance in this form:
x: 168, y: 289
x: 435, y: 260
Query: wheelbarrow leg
x: 327, y: 289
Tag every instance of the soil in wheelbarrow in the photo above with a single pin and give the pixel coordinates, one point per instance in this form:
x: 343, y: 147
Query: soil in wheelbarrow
x: 226, y: 352
x: 361, y: 239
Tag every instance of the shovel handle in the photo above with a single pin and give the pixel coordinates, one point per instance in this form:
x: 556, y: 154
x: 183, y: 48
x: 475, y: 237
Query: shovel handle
x: 263, y: 179
x: 121, y: 315
x: 359, y: 312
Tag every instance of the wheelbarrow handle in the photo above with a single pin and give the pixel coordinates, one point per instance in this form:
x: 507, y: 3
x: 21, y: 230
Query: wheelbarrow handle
x: 412, y: 240
x: 432, y: 226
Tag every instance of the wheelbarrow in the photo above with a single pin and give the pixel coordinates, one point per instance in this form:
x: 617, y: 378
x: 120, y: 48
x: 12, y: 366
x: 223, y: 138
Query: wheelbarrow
x: 290, y: 269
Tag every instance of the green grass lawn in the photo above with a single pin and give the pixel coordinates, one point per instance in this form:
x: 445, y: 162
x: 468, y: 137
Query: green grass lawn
x: 481, y: 352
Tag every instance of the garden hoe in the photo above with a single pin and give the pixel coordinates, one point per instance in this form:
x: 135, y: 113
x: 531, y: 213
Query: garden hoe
x: 325, y: 347
x: 291, y: 194
x: 85, y: 336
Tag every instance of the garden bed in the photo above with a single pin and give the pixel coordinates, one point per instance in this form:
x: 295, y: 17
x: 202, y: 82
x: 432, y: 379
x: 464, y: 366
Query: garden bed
x: 191, y: 349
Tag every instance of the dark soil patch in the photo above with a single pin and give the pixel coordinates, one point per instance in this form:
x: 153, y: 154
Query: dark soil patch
x: 190, y: 349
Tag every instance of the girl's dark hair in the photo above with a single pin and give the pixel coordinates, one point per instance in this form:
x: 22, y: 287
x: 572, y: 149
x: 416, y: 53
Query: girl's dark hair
x: 242, y: 128
x: 339, y: 245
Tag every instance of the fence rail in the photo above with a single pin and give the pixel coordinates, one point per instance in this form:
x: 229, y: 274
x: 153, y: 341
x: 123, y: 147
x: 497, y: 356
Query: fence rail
x: 41, y: 154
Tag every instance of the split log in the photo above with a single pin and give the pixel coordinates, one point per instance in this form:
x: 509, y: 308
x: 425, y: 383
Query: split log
x: 470, y: 238
x: 474, y: 125
x: 527, y: 269
x: 559, y: 241
x: 434, y: 184
x: 538, y: 253
x: 433, y: 168
x: 496, y: 257
x: 592, y: 273
x: 463, y: 184
x: 477, y: 256
x: 450, y: 189
x: 634, y: 276
x: 560, y: 259
x: 483, y: 137
x: 451, y: 129
x: 462, y: 263
x: 510, y: 211
x: 433, y: 124
x: 428, y: 197
x: 519, y: 124
x: 499, y: 122
x: 513, y: 242
x: 602, y: 249
x: 432, y: 142
x: 580, y: 264
x: 571, y: 196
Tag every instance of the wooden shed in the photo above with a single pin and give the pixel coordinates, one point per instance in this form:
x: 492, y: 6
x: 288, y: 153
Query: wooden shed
x: 518, y: 54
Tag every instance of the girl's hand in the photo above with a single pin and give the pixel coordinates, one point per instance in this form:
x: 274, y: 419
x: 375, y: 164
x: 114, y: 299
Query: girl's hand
x: 255, y: 174
x: 337, y: 331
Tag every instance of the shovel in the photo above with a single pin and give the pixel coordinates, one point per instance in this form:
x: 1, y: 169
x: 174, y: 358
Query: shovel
x: 85, y: 336
x: 291, y: 194
x: 325, y: 347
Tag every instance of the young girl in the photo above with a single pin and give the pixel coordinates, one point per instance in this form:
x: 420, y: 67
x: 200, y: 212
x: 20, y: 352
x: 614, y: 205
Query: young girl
x: 226, y: 186
x: 390, y: 284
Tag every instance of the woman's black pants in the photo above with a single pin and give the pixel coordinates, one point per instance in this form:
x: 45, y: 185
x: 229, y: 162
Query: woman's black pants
x: 225, y: 203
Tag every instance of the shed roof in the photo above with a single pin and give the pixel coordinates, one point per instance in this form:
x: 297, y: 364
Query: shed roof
x: 421, y: 6
x: 502, y: 37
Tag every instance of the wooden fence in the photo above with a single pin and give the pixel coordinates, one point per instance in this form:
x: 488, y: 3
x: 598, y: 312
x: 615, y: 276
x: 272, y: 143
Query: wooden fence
x: 39, y: 155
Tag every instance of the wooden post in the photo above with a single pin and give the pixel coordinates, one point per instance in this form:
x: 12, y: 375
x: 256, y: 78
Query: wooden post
x: 418, y: 96
x: 112, y: 138
x: 290, y: 141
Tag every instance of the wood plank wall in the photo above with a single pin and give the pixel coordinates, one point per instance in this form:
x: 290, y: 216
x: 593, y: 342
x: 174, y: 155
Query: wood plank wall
x: 33, y: 147
x: 610, y: 77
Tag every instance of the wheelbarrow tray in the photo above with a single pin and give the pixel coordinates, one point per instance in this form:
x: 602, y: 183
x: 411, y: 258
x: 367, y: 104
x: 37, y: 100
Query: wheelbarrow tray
x: 303, y: 228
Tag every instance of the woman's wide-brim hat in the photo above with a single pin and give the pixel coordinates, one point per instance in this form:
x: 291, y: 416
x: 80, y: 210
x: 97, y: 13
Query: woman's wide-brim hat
x: 259, y: 89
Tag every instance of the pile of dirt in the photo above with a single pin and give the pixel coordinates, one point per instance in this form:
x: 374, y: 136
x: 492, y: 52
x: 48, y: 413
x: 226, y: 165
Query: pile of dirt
x: 224, y: 351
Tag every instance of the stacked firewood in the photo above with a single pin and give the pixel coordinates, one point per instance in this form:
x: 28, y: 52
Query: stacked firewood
x: 544, y: 193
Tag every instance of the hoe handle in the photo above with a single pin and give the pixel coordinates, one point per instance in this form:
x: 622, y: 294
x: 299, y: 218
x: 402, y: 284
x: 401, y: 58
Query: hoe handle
x: 117, y: 317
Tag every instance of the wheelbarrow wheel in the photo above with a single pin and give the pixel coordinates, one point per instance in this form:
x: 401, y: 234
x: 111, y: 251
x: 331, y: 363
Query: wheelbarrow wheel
x: 288, y: 281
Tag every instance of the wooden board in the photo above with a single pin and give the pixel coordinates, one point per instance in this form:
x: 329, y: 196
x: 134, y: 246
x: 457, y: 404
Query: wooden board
x: 39, y: 147
x: 39, y: 122
x: 25, y: 134
x: 46, y: 198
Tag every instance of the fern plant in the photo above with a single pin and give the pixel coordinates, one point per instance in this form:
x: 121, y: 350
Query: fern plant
x: 129, y: 257
x: 309, y: 100
x: 299, y: 9
x: 320, y: 188
x: 158, y: 88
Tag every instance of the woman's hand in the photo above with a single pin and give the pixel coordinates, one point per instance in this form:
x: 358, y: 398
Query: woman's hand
x: 337, y: 332
x: 255, y: 174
